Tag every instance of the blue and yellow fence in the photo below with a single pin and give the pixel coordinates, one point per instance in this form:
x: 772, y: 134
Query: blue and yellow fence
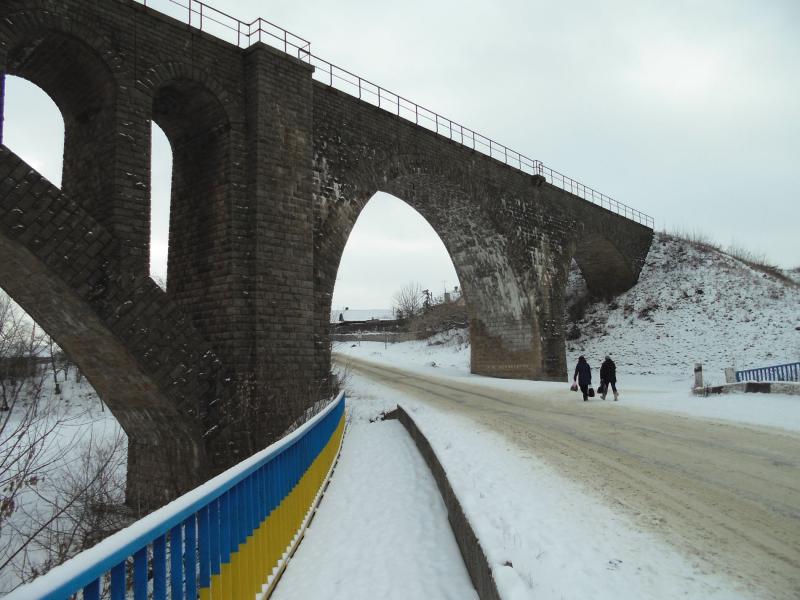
x: 225, y: 540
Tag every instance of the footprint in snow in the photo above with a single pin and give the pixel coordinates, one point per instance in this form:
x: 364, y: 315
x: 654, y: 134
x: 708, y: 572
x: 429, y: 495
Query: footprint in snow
x: 614, y: 564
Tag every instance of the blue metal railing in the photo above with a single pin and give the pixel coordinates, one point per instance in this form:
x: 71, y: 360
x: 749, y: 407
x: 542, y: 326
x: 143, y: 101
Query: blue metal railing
x: 787, y: 372
x: 204, y: 17
x: 222, y: 540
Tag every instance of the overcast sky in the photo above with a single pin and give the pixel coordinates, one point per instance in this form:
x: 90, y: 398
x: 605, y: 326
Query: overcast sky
x: 687, y: 111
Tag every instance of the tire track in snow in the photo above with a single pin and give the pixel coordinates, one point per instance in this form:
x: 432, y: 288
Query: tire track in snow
x: 726, y: 494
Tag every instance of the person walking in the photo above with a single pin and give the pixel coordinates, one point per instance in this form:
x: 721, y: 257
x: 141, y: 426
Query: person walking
x: 608, y: 376
x: 583, y: 376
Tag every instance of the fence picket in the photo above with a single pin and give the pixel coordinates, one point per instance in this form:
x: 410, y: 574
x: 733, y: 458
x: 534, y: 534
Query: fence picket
x: 787, y: 372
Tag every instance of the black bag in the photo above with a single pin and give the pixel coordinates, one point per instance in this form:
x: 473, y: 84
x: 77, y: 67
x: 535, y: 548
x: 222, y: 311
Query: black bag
x: 601, y: 389
x: 590, y: 393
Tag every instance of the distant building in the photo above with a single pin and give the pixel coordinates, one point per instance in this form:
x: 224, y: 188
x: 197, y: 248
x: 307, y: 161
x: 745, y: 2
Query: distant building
x: 361, y: 315
x: 18, y: 367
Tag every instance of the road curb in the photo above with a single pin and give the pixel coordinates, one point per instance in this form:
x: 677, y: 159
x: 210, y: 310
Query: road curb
x: 471, y: 551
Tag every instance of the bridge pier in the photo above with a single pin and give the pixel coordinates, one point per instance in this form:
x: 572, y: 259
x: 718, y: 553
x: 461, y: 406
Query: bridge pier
x: 280, y: 288
x: 165, y: 458
x: 153, y: 370
x: 517, y: 315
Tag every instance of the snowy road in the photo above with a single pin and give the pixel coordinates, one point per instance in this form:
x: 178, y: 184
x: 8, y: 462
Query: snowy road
x: 724, y: 493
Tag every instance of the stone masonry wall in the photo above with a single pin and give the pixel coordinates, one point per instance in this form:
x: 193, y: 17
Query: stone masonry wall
x: 240, y: 245
x: 511, y: 236
x: 280, y: 290
x: 156, y: 373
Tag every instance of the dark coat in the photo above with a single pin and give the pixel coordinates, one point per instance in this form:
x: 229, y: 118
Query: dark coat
x: 608, y: 371
x: 583, y: 372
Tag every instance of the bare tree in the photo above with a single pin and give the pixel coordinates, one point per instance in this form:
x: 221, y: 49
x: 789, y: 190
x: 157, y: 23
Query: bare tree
x: 407, y: 301
x: 20, y: 345
x: 24, y: 424
x: 48, y: 499
x: 58, y: 363
x: 74, y: 511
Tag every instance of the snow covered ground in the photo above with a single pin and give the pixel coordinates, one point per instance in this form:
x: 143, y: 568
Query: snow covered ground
x: 381, y: 530
x: 691, y: 304
x: 561, y: 542
x: 657, y: 391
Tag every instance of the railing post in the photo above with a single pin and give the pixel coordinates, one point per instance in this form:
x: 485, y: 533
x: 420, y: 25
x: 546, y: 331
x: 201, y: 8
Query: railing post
x: 250, y: 522
x: 190, y: 558
x: 176, y: 563
x: 140, y: 574
x: 160, y: 568
x: 225, y: 541
x: 118, y: 582
x: 236, y: 529
x: 213, y: 538
x: 92, y: 591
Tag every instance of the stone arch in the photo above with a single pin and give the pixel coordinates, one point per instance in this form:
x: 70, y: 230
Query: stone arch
x: 161, y: 74
x: 501, y: 301
x: 504, y: 322
x: 518, y: 232
x: 65, y: 58
x: 31, y: 125
x: 194, y: 113
x: 606, y: 269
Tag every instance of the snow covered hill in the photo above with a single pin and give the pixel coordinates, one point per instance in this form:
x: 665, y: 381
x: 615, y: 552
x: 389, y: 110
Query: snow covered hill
x: 693, y: 303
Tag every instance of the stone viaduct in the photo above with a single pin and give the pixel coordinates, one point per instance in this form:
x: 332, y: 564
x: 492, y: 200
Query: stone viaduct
x: 271, y: 169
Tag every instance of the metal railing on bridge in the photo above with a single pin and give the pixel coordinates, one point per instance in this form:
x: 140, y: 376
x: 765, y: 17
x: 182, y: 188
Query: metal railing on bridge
x: 226, y: 539
x: 204, y: 17
x: 225, y: 27
x: 787, y: 372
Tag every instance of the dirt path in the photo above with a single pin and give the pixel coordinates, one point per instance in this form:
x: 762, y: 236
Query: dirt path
x: 725, y: 493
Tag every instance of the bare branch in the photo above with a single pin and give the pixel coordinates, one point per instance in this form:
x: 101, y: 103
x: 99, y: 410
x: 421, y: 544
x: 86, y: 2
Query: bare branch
x: 407, y: 301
